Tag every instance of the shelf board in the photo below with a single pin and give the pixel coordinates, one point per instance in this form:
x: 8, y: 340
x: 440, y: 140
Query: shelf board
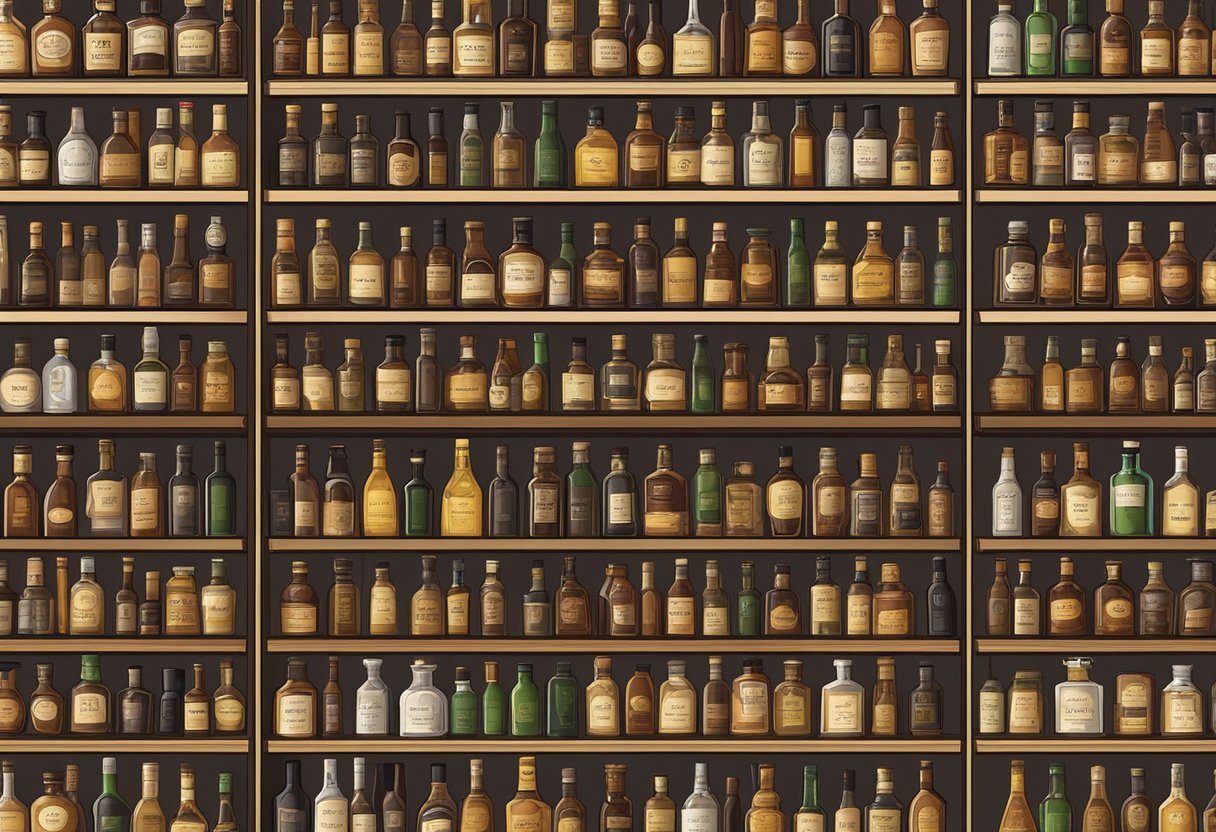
x: 502, y: 423
x: 1097, y: 196
x: 1096, y: 745
x: 1095, y: 544
x: 486, y: 646
x: 121, y: 421
x: 125, y: 316
x: 639, y: 545
x: 1071, y: 316
x: 594, y: 87
x: 125, y: 86
x: 35, y: 744
x: 670, y: 317
x: 1096, y: 644
x: 133, y: 644
x: 123, y: 545
x: 586, y: 745
x: 118, y: 195
x: 1158, y: 423
x: 1095, y: 86
x: 633, y: 196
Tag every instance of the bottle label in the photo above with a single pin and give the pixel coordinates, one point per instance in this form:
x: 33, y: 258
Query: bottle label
x: 692, y: 55
x: 798, y: 57
x: 870, y: 158
x: 842, y: 713
x: 1155, y: 53
x: 718, y: 164
x: 102, y: 51
x: 197, y: 43
x: 930, y: 51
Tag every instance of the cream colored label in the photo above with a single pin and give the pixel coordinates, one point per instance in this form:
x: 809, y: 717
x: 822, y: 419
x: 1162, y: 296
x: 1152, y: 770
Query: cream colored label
x: 219, y: 168
x: 366, y: 280
x: 841, y: 712
x: 149, y: 40
x: 90, y: 709
x: 1156, y: 53
x: 194, y: 43
x: 296, y: 718
x: 102, y: 51
x: 718, y: 164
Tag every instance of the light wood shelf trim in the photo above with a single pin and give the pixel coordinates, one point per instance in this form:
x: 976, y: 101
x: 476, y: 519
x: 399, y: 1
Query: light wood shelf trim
x: 1159, y: 423
x: 124, y: 86
x: 119, y: 745
x: 604, y: 86
x: 1095, y: 544
x: 456, y: 644
x: 638, y: 545
x: 1097, y: 196
x: 670, y: 317
x: 125, y: 316
x: 1108, y: 86
x: 1095, y: 745
x: 633, y: 196
x: 502, y: 423
x: 1096, y: 644
x: 1072, y: 315
x: 125, y: 545
x: 121, y: 421
x: 135, y: 644
x: 715, y: 745
x: 166, y: 196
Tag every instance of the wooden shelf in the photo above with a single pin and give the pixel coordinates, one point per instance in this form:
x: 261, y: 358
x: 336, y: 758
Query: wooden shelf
x: 1096, y: 644
x: 123, y: 545
x: 133, y: 644
x: 177, y: 746
x: 1070, y: 316
x: 1158, y: 423
x: 631, y: 196
x: 638, y: 545
x: 1146, y: 545
x: 1096, y: 745
x: 1096, y: 196
x: 615, y: 317
x: 161, y: 196
x: 162, y: 317
x: 585, y: 745
x: 121, y: 421
x: 76, y: 87
x: 507, y: 422
x: 594, y: 87
x: 1096, y: 86
x: 486, y: 646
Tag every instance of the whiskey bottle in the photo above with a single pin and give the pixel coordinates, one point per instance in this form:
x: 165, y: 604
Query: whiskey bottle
x: 873, y: 277
x: 1066, y: 604
x: 1131, y: 495
x: 1080, y: 498
x: 620, y: 497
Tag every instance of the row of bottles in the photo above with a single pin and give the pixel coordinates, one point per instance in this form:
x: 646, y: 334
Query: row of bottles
x: 622, y: 45
x: 738, y: 708
x: 521, y: 277
x: 80, y: 608
x: 116, y: 507
x: 1074, y: 509
x: 646, y: 160
x: 384, y: 805
x: 582, y: 505
x: 620, y: 609
x: 149, y: 387
x: 91, y: 708
x: 662, y: 386
x: 119, y: 163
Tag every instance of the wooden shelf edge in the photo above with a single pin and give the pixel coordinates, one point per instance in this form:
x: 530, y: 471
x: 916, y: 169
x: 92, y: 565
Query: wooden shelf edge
x: 78, y: 644
x: 1095, y: 644
x: 1072, y: 315
x: 1100, y: 196
x: 614, y: 645
x: 1160, y: 423
x: 604, y: 86
x: 125, y: 545
x: 1094, y: 544
x: 177, y: 746
x: 119, y: 195
x: 1103, y: 86
x: 715, y: 745
x: 685, y: 422
x: 123, y: 316
x: 123, y: 421
x: 1096, y: 745
x: 617, y: 316
x: 124, y: 86
x: 310, y: 196
x: 643, y: 545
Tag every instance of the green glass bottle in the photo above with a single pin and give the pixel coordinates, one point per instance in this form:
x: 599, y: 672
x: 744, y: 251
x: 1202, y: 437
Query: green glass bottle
x: 221, y: 496
x: 703, y: 380
x: 1077, y: 42
x: 582, y: 495
x: 472, y: 150
x: 945, y: 270
x: 707, y: 495
x: 549, y: 164
x: 419, y: 498
x: 798, y: 271
x: 110, y: 812
x: 464, y: 706
x: 493, y: 701
x: 1131, y: 496
x: 540, y: 352
x: 1040, y: 40
x: 748, y: 602
x: 1055, y: 812
x: 562, y: 270
x: 563, y: 703
x: 525, y: 703
x: 811, y: 815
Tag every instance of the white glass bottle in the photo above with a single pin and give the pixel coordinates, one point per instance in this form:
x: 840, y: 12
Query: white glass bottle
x: 1181, y: 705
x: 763, y: 159
x: 1078, y: 700
x: 59, y: 381
x: 330, y: 807
x: 1007, y: 499
x: 424, y: 709
x: 838, y: 151
x: 843, y: 707
x: 1004, y: 42
x: 371, y: 702
x: 700, y: 811
x: 77, y: 156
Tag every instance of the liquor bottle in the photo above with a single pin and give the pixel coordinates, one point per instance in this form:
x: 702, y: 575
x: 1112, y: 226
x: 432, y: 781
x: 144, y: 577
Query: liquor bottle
x: 1007, y: 499
x: 1005, y: 149
x: 460, y: 507
x: 1017, y: 816
x: 841, y: 38
x: 1080, y: 498
x: 870, y: 151
x: 1176, y: 812
x: 33, y: 156
x: 1131, y: 495
x: 930, y: 42
x: 77, y: 155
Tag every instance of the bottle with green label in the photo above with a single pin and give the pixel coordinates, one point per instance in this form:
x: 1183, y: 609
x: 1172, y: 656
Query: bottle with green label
x: 945, y: 270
